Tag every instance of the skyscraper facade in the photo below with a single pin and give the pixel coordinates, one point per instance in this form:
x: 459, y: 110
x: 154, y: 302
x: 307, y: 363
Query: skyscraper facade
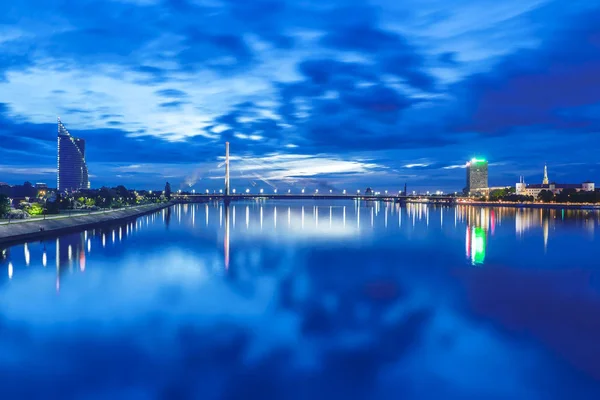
x: 72, y: 168
x: 477, y: 175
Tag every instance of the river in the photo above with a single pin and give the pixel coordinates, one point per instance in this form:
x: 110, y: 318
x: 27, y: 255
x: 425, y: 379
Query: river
x: 308, y: 300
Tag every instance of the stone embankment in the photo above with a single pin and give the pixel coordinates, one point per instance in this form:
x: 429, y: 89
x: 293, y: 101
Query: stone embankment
x: 33, y: 229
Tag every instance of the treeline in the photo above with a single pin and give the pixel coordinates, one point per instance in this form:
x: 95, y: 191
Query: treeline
x: 569, y: 196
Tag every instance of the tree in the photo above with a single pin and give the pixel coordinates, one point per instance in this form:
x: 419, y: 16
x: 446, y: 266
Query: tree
x: 35, y: 209
x: 4, y: 205
x: 546, y: 196
x: 168, y: 191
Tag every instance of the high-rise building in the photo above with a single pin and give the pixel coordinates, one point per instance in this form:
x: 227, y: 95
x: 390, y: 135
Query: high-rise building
x: 477, y: 175
x: 72, y: 169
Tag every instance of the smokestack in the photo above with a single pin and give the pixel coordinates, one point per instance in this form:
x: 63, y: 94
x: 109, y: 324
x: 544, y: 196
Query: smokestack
x: 226, y: 168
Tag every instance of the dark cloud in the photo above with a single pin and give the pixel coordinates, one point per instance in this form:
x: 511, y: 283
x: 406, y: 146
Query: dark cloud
x: 536, y: 88
x: 172, y: 93
x: 173, y: 104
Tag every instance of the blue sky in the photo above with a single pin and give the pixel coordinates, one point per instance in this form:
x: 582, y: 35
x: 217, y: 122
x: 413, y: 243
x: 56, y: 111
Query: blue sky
x: 336, y: 94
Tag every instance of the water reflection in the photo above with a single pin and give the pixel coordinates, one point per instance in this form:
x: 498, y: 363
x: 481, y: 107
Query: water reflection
x: 346, y: 299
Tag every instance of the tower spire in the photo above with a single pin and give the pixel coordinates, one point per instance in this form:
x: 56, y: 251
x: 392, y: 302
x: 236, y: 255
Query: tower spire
x: 546, y: 181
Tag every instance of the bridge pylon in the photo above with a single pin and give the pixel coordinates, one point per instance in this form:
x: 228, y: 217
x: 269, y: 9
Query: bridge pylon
x: 226, y: 168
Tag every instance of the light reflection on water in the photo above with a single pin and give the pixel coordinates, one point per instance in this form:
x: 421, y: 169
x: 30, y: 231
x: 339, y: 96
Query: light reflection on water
x: 308, y: 300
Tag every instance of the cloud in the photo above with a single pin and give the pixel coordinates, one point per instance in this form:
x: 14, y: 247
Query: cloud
x: 173, y: 104
x: 172, y: 93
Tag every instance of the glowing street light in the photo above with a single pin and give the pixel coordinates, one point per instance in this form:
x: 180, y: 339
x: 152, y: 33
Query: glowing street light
x: 261, y: 191
x: 344, y: 191
x: 289, y: 191
x: 302, y: 191
x: 221, y: 191
x: 386, y: 192
x: 193, y: 191
x: 206, y: 191
x: 330, y: 191
x: 233, y: 190
x: 275, y: 191
x: 358, y: 191
x: 247, y: 190
x: 316, y: 190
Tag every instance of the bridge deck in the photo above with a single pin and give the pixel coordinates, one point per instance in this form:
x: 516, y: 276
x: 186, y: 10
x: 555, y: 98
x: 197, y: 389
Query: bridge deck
x: 274, y: 196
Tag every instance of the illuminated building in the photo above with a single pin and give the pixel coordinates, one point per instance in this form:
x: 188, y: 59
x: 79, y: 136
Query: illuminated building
x: 535, y: 189
x: 477, y: 175
x: 72, y: 168
x: 42, y: 189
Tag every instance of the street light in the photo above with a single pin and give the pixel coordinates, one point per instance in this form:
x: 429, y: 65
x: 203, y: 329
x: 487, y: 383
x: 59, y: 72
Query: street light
x: 386, y: 192
x: 206, y: 191
x: 261, y: 191
x: 247, y: 190
x: 234, y: 191
x: 220, y: 190
x: 358, y: 191
x: 289, y: 191
x: 316, y: 190
x: 275, y: 191
x: 344, y: 191
x: 302, y: 191
x: 330, y: 191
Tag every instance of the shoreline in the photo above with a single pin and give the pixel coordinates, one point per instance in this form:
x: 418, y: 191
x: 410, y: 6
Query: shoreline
x: 30, y: 230
x: 549, y: 206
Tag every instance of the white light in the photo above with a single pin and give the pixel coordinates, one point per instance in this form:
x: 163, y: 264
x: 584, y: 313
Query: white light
x: 206, y: 191
x: 261, y: 191
x: 289, y: 190
x: 316, y: 190
x: 344, y: 191
x: 193, y: 191
x: 330, y: 191
x: 358, y: 191
x: 233, y: 190
x: 302, y: 190
x: 220, y: 190
x: 275, y: 191
x: 247, y: 190
x: 386, y: 192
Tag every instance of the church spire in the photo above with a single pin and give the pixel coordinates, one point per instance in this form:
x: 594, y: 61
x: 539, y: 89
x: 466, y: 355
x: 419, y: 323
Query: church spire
x: 546, y: 181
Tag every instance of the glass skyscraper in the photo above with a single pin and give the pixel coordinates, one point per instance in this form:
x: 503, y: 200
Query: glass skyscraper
x: 72, y: 169
x: 477, y: 175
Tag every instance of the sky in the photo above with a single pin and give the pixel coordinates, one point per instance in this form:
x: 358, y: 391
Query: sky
x: 341, y: 94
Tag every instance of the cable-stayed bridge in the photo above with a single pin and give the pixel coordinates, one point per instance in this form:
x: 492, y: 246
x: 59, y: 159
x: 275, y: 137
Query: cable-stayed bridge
x: 228, y: 193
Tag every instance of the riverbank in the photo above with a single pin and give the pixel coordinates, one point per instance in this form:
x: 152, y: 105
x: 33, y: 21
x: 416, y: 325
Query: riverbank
x: 36, y: 229
x: 549, y: 206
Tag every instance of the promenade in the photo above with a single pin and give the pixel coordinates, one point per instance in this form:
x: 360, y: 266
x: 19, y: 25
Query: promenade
x: 37, y: 228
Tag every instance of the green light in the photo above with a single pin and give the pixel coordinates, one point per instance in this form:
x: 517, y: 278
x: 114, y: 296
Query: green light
x: 478, y: 160
x: 479, y: 243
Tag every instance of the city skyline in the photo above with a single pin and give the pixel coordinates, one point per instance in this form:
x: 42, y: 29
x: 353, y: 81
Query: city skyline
x: 352, y: 95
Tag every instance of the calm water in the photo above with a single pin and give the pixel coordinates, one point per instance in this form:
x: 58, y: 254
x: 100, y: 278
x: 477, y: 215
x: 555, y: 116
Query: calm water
x: 293, y: 300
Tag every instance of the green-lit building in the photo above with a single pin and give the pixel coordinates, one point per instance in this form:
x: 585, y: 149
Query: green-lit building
x: 477, y: 176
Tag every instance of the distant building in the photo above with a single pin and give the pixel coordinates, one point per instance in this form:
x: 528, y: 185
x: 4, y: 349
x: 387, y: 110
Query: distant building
x: 5, y: 188
x: 72, y: 168
x: 477, y: 176
x: 42, y: 189
x: 535, y: 189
